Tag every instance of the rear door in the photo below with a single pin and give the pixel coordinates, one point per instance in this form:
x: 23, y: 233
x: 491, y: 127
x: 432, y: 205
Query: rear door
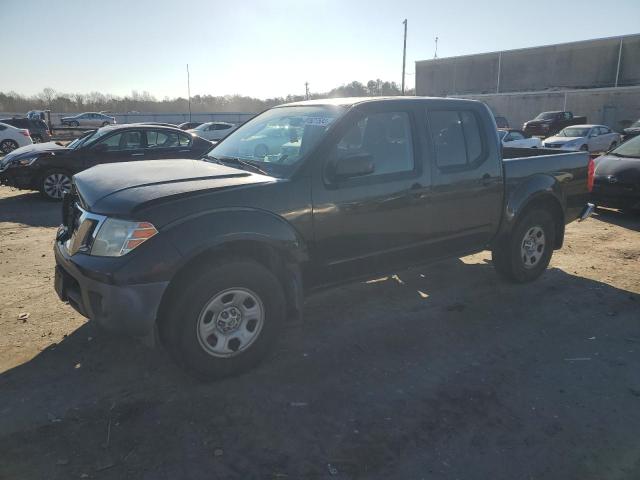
x: 121, y: 146
x: 167, y: 144
x: 466, y: 177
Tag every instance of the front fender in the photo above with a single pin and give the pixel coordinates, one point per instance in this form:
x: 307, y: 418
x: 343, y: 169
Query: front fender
x: 197, y: 233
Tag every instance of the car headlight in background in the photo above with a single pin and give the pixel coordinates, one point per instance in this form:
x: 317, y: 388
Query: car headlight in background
x: 23, y: 162
x: 118, y: 237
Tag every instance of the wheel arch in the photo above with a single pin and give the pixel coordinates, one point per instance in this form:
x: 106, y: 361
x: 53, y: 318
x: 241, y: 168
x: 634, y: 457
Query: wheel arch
x: 541, y: 191
x: 242, y: 234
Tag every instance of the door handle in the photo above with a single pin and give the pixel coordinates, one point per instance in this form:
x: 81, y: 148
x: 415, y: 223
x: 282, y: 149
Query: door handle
x: 417, y: 190
x: 486, y: 179
x: 137, y: 154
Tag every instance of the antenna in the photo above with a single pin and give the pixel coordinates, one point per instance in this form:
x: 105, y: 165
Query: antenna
x: 306, y: 90
x: 435, y: 55
x: 189, y: 91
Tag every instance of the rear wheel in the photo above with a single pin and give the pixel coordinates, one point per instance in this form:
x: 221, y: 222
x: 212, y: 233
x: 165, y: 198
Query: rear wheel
x: 613, y: 145
x: 224, y: 319
x: 104, y: 124
x: 55, y: 184
x: 73, y: 124
x: 36, y: 138
x: 8, y: 146
x: 525, y: 254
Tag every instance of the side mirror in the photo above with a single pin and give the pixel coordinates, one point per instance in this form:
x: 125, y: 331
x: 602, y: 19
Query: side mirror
x: 354, y: 165
x: 101, y: 147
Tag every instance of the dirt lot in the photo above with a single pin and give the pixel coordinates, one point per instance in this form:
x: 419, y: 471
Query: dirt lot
x: 443, y: 372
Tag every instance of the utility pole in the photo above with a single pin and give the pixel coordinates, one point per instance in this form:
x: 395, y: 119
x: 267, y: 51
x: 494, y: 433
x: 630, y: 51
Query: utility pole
x: 306, y: 90
x: 404, y: 53
x: 189, y: 91
x: 435, y: 55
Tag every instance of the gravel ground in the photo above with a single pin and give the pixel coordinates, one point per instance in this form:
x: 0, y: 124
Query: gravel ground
x: 441, y: 372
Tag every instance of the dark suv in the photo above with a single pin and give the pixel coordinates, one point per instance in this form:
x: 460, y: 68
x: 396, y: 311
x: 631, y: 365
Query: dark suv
x: 37, y: 128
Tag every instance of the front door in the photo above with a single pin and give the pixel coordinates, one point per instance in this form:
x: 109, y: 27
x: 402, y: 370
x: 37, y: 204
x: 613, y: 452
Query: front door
x: 122, y: 146
x: 366, y: 222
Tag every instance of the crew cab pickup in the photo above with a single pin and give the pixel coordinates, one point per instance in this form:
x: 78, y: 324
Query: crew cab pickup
x: 550, y: 123
x: 210, y: 257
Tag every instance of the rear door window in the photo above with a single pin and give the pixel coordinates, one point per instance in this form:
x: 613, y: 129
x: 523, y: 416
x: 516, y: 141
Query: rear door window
x: 161, y: 139
x: 457, y: 138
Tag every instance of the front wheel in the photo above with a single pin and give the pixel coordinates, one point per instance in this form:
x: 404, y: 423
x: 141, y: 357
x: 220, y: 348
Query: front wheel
x: 525, y: 254
x: 104, y: 124
x: 224, y: 319
x: 584, y: 148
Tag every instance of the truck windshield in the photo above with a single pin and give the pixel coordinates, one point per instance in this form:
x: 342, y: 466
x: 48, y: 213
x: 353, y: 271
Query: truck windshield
x: 277, y: 139
x: 574, y: 132
x: 546, y: 116
x: 630, y: 148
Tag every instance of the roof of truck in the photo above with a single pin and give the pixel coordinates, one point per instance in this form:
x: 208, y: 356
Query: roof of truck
x: 349, y: 101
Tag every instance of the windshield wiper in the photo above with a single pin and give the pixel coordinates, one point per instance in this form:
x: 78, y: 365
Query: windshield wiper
x: 238, y: 161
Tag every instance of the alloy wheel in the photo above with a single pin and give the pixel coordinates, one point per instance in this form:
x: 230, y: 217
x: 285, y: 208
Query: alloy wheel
x: 56, y: 185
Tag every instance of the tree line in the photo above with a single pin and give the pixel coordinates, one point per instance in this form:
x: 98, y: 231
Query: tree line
x: 50, y: 99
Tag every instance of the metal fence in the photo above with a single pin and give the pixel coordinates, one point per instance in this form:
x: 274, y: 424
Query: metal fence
x: 138, y: 117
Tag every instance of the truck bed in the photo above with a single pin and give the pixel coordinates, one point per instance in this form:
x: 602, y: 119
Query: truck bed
x: 565, y: 173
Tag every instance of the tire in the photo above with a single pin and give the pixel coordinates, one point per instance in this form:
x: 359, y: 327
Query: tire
x: 261, y: 151
x: 74, y: 124
x: 201, y: 330
x: 584, y: 148
x: 8, y: 146
x: 54, y: 184
x: 525, y: 254
x: 613, y: 145
x: 36, y: 138
x: 104, y: 124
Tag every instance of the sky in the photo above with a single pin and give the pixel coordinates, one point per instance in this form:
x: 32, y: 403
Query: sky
x: 270, y: 48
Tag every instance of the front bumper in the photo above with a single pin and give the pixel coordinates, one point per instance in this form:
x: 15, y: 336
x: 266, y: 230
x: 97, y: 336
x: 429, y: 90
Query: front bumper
x: 128, y: 309
x: 615, y: 195
x: 18, y: 178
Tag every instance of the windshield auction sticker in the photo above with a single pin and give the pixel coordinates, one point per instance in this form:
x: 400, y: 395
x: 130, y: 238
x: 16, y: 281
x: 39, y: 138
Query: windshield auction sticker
x: 318, y: 121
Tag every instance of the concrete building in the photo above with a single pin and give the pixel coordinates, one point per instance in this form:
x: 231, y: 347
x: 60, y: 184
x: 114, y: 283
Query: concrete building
x: 598, y: 78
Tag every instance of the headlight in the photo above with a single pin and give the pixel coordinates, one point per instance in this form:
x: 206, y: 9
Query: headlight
x: 118, y: 237
x: 23, y: 162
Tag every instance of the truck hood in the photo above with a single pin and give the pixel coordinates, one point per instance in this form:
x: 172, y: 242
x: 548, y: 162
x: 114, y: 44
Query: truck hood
x: 34, y: 149
x: 123, y: 188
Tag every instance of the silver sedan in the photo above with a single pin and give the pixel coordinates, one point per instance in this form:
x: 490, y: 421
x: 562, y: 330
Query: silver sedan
x: 88, y: 119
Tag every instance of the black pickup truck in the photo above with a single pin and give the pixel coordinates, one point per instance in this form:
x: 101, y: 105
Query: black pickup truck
x: 547, y: 124
x: 210, y: 257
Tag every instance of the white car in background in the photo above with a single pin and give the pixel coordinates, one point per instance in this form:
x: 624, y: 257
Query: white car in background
x: 511, y: 137
x: 213, y: 130
x: 12, y: 138
x: 588, y: 138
